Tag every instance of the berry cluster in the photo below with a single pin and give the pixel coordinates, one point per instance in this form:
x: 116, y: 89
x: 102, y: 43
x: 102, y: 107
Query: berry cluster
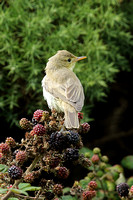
x: 48, y: 150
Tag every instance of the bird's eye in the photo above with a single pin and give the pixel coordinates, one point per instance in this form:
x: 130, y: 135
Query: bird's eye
x: 69, y: 60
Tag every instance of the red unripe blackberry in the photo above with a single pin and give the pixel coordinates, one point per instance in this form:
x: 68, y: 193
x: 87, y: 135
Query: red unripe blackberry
x: 131, y: 190
x: 88, y: 195
x: 10, y: 186
x: 122, y: 189
x: 15, y: 172
x: 39, y: 129
x: 95, y: 159
x: 58, y: 189
x: 21, y: 156
x: 38, y: 114
x: 92, y: 185
x: 1, y: 155
x: 10, y: 141
x: 29, y: 178
x: 80, y: 115
x: 85, y: 127
x: 25, y: 124
x: 63, y: 172
x: 4, y: 148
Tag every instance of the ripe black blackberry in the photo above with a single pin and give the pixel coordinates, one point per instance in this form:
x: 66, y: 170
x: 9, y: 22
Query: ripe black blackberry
x: 34, y: 121
x: 71, y: 155
x: 74, y: 137
x: 15, y: 172
x: 49, y: 195
x: 59, y: 140
x: 122, y: 189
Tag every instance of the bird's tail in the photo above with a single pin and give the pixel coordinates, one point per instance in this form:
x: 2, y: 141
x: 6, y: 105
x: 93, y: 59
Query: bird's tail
x: 71, y: 119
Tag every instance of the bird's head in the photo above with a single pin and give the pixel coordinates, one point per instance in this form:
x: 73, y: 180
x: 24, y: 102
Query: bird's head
x: 66, y: 59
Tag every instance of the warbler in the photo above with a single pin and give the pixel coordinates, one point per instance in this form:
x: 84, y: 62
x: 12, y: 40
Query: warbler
x: 62, y: 89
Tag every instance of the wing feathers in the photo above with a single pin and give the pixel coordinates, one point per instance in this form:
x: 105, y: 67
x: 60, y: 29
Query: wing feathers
x: 71, y: 91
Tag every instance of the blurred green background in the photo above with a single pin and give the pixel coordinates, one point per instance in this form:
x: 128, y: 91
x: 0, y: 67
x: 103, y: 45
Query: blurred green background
x: 32, y: 31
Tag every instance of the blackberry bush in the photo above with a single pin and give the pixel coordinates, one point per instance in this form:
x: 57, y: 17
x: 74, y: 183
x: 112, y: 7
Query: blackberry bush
x: 41, y: 164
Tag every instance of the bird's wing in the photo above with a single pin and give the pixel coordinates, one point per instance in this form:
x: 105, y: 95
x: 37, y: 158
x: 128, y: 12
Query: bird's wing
x: 71, y: 92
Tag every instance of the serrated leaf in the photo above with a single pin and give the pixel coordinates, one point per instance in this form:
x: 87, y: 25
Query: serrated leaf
x: 3, y: 191
x: 32, y: 188
x: 127, y: 162
x: 17, y: 191
x: 24, y: 185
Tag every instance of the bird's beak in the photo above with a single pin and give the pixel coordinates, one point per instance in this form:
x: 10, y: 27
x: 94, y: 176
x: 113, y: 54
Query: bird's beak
x: 80, y: 58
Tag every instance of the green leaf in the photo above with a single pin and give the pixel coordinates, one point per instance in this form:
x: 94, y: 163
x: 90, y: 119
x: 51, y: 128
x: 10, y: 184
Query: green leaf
x: 130, y: 181
x: 3, y: 168
x: 127, y: 162
x: 84, y: 182
x: 3, y: 191
x: 121, y: 179
x: 17, y: 191
x: 66, y: 189
x: 13, y: 198
x: 86, y: 150
x: 24, y: 185
x: 32, y: 188
x: 68, y: 197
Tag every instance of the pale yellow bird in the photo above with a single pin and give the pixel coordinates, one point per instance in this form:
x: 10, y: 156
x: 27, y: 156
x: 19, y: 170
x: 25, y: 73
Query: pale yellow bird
x: 61, y: 87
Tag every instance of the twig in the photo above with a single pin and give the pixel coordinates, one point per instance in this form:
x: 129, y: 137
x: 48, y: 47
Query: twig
x: 28, y: 197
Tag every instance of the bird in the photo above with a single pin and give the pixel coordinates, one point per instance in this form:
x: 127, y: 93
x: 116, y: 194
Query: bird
x: 62, y: 89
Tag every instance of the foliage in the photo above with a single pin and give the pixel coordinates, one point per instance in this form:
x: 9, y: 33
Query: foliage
x: 32, y: 31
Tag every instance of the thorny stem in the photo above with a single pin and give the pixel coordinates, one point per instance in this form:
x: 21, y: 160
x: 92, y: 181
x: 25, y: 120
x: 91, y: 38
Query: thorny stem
x: 29, y: 169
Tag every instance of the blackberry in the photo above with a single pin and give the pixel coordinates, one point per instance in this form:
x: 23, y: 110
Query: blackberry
x: 85, y: 127
x: 25, y: 124
x: 49, y: 195
x: 88, y: 195
x: 38, y: 114
x: 80, y: 115
x: 21, y: 156
x: 29, y: 178
x: 74, y: 137
x: 131, y: 190
x: 122, y: 189
x: 15, y: 172
x: 39, y: 129
x: 95, y: 159
x: 92, y: 185
x: 59, y: 140
x: 62, y: 172
x: 71, y: 154
x: 34, y: 121
x: 4, y: 148
x: 57, y: 189
x: 10, y: 141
